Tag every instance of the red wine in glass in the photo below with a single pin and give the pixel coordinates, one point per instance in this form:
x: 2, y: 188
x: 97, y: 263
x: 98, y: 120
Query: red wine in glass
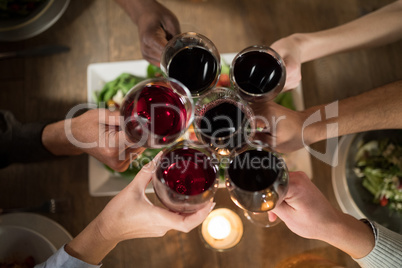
x: 192, y: 59
x: 257, y: 180
x: 195, y: 67
x: 188, y: 171
x: 155, y: 113
x: 186, y: 177
x: 254, y: 170
x: 258, y: 73
x: 223, y: 120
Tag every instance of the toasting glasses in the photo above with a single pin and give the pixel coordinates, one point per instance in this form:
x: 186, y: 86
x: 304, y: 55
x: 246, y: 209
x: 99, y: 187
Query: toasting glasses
x: 257, y: 180
x: 186, y: 177
x: 258, y: 73
x: 223, y: 120
x: 192, y: 59
x: 157, y: 112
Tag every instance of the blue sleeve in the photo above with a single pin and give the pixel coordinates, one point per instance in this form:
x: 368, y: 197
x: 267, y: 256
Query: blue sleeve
x: 61, y: 259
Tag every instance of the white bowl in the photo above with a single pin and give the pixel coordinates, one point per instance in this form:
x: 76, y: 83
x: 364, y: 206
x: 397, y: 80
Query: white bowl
x: 18, y: 243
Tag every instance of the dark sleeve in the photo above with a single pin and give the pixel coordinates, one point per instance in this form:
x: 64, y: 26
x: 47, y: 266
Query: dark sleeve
x: 21, y: 143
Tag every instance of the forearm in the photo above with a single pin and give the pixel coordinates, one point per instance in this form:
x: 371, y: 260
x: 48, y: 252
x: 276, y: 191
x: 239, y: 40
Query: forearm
x: 377, y: 28
x: 350, y: 235
x: 134, y: 7
x: 90, y: 246
x: 380, y: 108
x: 55, y: 140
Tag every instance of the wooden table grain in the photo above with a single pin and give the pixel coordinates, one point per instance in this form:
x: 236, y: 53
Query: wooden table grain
x: 46, y: 88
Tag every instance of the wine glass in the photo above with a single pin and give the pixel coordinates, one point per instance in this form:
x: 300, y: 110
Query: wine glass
x: 257, y: 180
x: 223, y: 120
x: 186, y: 177
x: 157, y: 112
x: 258, y: 73
x: 192, y: 59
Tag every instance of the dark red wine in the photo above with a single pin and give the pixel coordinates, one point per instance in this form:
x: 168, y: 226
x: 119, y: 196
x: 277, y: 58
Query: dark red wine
x: 195, y: 67
x: 222, y: 118
x: 257, y: 72
x: 188, y: 171
x: 254, y: 170
x: 159, y: 108
x: 223, y: 124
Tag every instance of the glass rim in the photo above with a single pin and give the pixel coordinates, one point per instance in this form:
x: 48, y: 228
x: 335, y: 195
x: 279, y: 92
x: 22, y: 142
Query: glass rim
x: 263, y: 49
x: 258, y: 147
x: 209, y: 46
x: 141, y: 85
x: 244, y: 121
x: 183, y: 144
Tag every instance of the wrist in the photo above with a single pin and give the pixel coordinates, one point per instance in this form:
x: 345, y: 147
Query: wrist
x: 350, y: 235
x: 90, y: 245
x: 134, y: 8
x: 314, y: 128
x: 54, y: 139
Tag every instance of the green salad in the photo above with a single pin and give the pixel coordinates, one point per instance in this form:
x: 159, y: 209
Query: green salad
x: 379, y: 165
x: 113, y: 92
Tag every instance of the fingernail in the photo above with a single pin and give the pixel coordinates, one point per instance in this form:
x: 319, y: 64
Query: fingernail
x: 212, y: 207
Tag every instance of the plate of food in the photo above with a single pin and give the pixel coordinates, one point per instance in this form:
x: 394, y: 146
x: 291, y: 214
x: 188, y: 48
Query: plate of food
x: 368, y: 179
x: 108, y: 83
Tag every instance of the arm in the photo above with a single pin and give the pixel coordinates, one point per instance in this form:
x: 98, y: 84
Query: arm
x: 378, y: 28
x: 129, y: 215
x: 97, y: 133
x: 156, y: 25
x: 20, y: 142
x: 289, y: 130
x: 306, y: 212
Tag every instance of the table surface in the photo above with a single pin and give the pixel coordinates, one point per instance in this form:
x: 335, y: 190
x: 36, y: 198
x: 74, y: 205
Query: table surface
x: 99, y: 31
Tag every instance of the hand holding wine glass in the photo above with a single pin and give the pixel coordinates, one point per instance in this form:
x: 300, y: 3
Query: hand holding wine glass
x: 157, y: 112
x: 186, y: 177
x: 257, y: 180
x: 156, y: 26
x: 130, y: 215
x: 192, y: 59
x: 258, y: 73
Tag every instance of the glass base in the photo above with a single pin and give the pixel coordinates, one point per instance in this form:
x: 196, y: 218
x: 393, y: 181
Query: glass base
x: 261, y: 219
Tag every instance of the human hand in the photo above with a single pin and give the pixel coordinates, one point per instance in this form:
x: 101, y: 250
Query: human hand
x: 289, y: 49
x: 156, y: 25
x: 97, y: 133
x: 131, y: 215
x: 307, y: 213
x: 305, y: 210
x: 281, y: 127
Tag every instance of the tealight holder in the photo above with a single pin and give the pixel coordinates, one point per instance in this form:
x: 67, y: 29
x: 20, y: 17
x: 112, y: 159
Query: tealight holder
x: 222, y: 229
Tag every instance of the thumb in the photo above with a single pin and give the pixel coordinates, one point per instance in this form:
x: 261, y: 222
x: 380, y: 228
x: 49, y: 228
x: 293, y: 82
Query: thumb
x: 142, y: 179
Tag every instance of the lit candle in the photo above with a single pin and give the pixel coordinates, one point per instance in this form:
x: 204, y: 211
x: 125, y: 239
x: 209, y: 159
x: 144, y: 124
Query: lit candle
x: 219, y: 227
x: 222, y: 229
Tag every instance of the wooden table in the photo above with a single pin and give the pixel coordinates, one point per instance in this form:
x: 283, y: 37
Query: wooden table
x: 99, y: 31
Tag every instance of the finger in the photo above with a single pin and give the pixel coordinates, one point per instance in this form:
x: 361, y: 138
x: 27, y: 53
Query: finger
x: 155, y: 43
x: 185, y: 223
x: 272, y: 216
x: 143, y: 177
x: 171, y: 26
x: 193, y: 220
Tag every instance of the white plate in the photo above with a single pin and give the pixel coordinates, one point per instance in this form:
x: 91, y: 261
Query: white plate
x: 44, y: 226
x: 104, y: 183
x: 19, y: 243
